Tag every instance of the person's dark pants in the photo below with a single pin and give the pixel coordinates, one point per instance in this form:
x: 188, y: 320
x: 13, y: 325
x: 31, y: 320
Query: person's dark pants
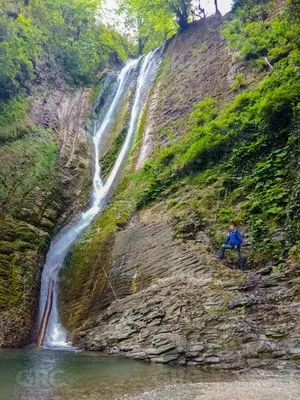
x: 238, y: 252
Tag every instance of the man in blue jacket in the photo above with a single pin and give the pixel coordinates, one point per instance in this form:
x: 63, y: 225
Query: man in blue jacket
x: 233, y: 242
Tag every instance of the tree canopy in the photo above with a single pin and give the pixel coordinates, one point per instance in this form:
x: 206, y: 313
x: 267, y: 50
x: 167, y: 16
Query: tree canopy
x: 67, y: 32
x: 152, y: 21
x: 156, y: 20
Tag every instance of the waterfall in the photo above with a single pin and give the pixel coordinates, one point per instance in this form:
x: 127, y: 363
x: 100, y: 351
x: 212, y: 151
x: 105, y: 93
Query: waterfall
x: 51, y: 331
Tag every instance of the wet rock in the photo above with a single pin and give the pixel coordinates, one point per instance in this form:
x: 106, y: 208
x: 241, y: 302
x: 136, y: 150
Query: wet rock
x: 194, y: 349
x: 195, y: 325
x: 124, y: 333
x: 278, y: 331
x: 47, y: 225
x: 212, y: 359
x: 191, y: 363
x: 188, y: 236
x: 252, y: 283
x: 178, y: 318
x: 27, y: 227
x: 242, y: 301
x: 295, y: 351
x: 160, y: 349
x: 141, y: 355
x: 166, y: 358
x: 209, y: 65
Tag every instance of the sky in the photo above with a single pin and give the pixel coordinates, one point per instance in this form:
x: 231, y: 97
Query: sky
x: 110, y: 16
x: 208, y: 5
x: 224, y: 6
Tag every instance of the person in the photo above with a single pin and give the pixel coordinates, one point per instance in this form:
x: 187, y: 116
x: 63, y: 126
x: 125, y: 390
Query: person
x: 233, y: 242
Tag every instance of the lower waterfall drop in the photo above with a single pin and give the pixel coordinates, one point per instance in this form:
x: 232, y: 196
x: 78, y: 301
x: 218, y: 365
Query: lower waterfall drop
x: 51, y: 332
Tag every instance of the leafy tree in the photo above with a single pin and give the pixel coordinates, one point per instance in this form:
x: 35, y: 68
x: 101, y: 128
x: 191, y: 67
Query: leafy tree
x: 20, y: 44
x: 152, y: 21
x: 65, y: 32
x: 182, y: 10
x: 185, y: 9
x: 75, y: 38
x: 259, y: 37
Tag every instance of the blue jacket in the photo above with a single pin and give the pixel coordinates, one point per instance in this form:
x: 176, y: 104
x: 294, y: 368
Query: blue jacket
x: 235, y: 238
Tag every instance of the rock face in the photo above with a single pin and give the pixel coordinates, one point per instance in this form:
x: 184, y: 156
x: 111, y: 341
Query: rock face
x: 47, y: 181
x: 156, y: 290
x: 54, y: 107
x: 171, y: 302
x: 198, y: 64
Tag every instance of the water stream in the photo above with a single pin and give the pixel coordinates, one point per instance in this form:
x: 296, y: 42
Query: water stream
x: 51, y: 332
x: 41, y: 374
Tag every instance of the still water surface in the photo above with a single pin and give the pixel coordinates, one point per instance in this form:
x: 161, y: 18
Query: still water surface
x: 39, y: 374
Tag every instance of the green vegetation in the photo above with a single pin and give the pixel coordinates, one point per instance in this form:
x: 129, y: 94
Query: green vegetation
x: 109, y: 158
x: 34, y: 174
x: 66, y: 34
x: 152, y: 21
x: 259, y: 37
x: 91, y: 257
x: 238, y: 163
x: 14, y: 121
x: 29, y: 203
x: 94, y: 248
x: 64, y: 30
x: 246, y: 152
x: 240, y: 82
x: 39, y: 40
x: 155, y: 21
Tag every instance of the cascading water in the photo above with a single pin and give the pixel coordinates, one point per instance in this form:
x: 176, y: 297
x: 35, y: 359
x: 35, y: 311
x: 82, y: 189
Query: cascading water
x: 51, y: 332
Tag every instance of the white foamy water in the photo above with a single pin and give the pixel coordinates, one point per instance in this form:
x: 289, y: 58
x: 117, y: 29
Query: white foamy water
x: 146, y: 68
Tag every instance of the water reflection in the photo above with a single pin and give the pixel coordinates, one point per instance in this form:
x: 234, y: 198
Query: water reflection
x: 47, y: 374
x: 40, y: 374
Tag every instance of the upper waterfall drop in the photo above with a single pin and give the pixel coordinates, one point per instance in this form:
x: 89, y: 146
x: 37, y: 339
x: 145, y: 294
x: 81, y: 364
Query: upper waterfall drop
x: 99, y: 134
x: 51, y: 332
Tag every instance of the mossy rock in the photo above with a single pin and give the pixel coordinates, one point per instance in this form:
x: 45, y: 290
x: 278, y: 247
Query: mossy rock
x: 47, y: 225
x: 6, y: 247
x: 27, y: 233
x: 4, y: 265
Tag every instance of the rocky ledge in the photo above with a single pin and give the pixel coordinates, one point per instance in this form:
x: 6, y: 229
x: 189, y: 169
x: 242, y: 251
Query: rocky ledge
x: 190, y: 309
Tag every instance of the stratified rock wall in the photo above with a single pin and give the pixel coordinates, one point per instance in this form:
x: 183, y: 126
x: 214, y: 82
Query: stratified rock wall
x: 198, y: 64
x: 161, y: 295
x: 171, y: 302
x: 66, y: 114
x: 193, y: 56
x: 47, y: 177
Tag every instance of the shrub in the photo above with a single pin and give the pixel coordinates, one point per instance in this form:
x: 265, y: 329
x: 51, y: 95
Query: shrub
x: 240, y: 82
x: 14, y: 122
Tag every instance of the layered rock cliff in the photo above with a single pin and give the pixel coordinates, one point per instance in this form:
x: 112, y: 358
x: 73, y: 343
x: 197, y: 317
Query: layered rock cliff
x: 166, y: 301
x: 147, y: 284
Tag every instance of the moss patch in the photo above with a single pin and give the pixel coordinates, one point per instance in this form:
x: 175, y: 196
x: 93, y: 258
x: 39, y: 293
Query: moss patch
x: 29, y: 196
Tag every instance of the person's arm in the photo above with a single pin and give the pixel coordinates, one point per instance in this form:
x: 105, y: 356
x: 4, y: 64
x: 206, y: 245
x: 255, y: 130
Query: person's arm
x: 240, y: 237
